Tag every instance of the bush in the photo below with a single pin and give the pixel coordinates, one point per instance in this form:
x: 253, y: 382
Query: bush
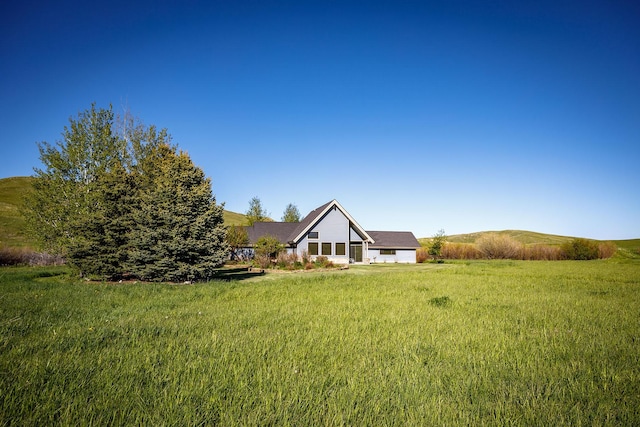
x: 460, y: 251
x: 25, y: 256
x: 541, y: 252
x: 268, y: 246
x: 421, y: 255
x: 580, y: 249
x: 323, y: 262
x: 262, y: 261
x: 607, y: 250
x: 287, y: 261
x: 496, y: 246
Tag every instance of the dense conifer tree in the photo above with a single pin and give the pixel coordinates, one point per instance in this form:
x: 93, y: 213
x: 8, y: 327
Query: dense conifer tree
x: 179, y: 232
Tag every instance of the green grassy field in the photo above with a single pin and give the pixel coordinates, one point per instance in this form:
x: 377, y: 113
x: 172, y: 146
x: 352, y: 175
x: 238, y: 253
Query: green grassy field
x: 469, y: 343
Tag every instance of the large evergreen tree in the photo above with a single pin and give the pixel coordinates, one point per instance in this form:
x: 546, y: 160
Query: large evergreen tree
x: 179, y: 233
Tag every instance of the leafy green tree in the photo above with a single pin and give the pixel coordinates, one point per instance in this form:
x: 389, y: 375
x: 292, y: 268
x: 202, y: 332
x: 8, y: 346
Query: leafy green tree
x: 266, y: 249
x: 256, y: 213
x: 67, y: 190
x: 179, y: 233
x: 237, y: 238
x: 291, y: 213
x: 580, y: 249
x: 436, y: 244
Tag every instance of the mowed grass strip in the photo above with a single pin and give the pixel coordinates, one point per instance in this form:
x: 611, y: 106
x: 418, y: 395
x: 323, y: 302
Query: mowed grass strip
x: 477, y: 343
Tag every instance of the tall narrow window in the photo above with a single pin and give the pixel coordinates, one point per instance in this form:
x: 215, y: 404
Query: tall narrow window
x: 313, y: 248
x: 341, y: 249
x: 326, y: 248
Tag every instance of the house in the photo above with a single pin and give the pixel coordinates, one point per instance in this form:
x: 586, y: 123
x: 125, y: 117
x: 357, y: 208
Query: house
x: 332, y: 232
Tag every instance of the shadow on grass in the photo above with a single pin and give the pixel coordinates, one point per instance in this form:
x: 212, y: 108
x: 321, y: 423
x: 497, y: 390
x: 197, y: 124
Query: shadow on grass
x: 229, y: 274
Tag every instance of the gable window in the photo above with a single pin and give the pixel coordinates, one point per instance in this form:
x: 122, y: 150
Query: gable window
x: 387, y: 251
x: 326, y: 248
x: 341, y: 249
x: 313, y: 248
x: 313, y: 235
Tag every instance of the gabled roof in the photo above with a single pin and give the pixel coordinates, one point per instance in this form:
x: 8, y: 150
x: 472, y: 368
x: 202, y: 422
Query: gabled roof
x: 317, y: 214
x: 287, y: 232
x: 394, y: 239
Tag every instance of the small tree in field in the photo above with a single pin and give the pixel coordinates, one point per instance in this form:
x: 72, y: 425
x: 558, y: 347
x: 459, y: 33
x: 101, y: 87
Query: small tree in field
x: 266, y: 249
x: 437, y: 243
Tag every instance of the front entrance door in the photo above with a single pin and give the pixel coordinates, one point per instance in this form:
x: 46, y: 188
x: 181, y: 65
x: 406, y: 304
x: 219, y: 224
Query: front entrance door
x: 355, y: 252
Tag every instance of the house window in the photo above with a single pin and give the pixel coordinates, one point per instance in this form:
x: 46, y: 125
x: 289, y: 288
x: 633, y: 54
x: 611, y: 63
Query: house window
x: 387, y: 251
x: 313, y: 248
x: 313, y: 234
x: 326, y: 248
x: 341, y: 249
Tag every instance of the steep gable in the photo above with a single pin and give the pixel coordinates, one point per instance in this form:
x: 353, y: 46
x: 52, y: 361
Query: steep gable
x: 316, y: 216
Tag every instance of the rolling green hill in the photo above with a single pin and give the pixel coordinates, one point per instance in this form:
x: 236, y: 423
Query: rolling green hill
x: 525, y: 237
x: 12, y: 223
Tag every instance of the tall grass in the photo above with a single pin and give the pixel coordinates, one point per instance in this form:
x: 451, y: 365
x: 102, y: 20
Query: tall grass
x: 475, y: 343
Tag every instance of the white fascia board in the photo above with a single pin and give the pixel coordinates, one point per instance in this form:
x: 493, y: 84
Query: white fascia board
x: 334, y: 203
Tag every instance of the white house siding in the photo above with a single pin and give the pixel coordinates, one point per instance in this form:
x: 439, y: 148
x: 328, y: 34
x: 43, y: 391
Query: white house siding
x: 333, y: 228
x: 401, y: 256
x: 354, y: 236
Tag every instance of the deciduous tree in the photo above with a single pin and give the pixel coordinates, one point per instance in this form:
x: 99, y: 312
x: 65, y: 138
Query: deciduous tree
x: 291, y: 213
x: 437, y: 243
x: 237, y: 238
x: 67, y: 189
x: 256, y: 213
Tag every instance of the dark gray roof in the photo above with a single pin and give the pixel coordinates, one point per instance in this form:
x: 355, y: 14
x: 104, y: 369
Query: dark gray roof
x: 311, y: 216
x: 280, y: 230
x: 393, y: 239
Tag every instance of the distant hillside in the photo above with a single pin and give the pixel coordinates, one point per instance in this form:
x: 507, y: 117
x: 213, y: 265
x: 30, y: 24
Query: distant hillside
x: 12, y: 223
x: 525, y: 237
x: 631, y: 246
x: 234, y: 218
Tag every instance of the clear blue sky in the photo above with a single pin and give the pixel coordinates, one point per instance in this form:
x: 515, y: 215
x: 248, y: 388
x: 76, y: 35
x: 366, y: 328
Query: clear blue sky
x: 460, y: 115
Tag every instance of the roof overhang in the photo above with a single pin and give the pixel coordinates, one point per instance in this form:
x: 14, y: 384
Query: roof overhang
x: 334, y: 204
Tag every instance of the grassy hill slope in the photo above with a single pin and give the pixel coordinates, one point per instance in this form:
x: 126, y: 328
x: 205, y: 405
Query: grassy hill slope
x: 12, y: 223
x: 525, y: 237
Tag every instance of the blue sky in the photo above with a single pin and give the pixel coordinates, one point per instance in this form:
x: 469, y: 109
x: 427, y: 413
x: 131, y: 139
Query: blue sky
x: 461, y: 115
